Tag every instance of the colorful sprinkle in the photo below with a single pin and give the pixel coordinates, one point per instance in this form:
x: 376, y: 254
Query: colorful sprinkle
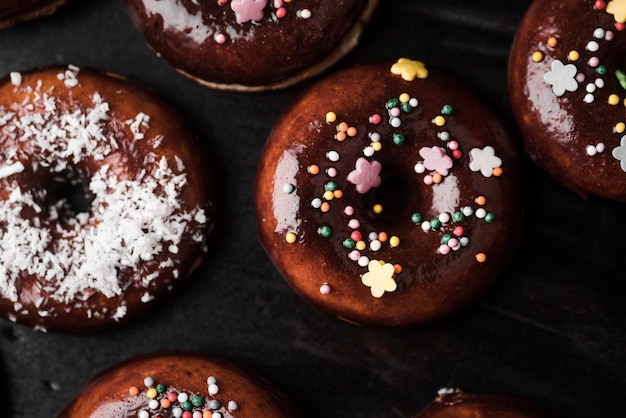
x: 291, y: 237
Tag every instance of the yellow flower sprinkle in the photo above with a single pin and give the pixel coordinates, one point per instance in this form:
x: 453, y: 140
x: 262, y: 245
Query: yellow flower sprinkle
x: 537, y: 56
x: 439, y: 120
x: 331, y: 117
x: 291, y: 238
x: 394, y: 241
x: 613, y: 99
x: 404, y: 98
x: 573, y: 55
x: 620, y: 127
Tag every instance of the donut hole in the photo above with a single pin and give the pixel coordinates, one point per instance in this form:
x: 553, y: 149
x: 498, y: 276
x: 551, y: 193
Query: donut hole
x: 68, y: 197
x: 390, y: 199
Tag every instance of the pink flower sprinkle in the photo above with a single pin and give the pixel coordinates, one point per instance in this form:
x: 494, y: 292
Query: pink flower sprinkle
x: 247, y: 10
x: 365, y: 175
x: 436, y: 159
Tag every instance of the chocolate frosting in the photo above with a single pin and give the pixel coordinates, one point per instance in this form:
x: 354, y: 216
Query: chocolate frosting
x: 147, y: 215
x: 108, y: 394
x: 210, y: 41
x: 562, y: 79
x: 443, y: 268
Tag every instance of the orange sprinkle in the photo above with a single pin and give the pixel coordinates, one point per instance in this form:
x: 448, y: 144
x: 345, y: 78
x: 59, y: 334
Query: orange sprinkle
x: 552, y: 41
x: 382, y: 236
x: 397, y: 268
x: 325, y: 207
x: 165, y: 403
x: 338, y: 194
x: 342, y: 127
x: 341, y: 136
x: 497, y: 171
x: 351, y: 131
x: 133, y: 391
x: 437, y: 178
x: 481, y: 257
x: 313, y: 169
x: 480, y: 200
x: 209, y: 414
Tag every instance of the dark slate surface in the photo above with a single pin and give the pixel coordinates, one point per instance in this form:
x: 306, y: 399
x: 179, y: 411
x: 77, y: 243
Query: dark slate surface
x: 551, y: 330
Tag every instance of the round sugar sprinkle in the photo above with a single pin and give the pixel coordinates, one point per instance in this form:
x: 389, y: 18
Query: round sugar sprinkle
x: 324, y: 290
x: 288, y: 188
x: 232, y: 406
x: 148, y: 381
x: 332, y: 156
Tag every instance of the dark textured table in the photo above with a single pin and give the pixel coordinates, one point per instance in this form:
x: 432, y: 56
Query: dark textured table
x: 551, y: 331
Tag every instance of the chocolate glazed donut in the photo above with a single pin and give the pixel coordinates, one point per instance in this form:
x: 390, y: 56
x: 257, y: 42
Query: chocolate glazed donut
x: 567, y: 84
x: 456, y: 404
x: 104, y: 199
x: 389, y: 197
x: 251, y: 45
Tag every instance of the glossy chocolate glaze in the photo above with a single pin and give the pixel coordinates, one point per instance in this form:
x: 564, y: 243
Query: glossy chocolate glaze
x: 559, y: 129
x: 269, y: 53
x: 461, y: 405
x: 13, y: 11
x: 107, y: 395
x: 90, y: 310
x: 431, y: 285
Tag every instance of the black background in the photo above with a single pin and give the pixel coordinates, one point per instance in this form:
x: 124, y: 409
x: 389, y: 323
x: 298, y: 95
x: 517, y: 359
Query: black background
x: 551, y: 331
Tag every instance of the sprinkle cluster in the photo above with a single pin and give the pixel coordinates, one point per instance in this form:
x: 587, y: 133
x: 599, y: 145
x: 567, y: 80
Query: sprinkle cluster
x: 433, y: 164
x: 584, y: 69
x: 254, y: 11
x: 163, y: 401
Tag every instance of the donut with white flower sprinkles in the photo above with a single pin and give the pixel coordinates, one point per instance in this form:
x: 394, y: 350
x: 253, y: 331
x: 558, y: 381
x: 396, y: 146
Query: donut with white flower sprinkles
x: 179, y: 385
x: 251, y: 45
x: 105, y: 200
x: 389, y: 195
x: 567, y: 83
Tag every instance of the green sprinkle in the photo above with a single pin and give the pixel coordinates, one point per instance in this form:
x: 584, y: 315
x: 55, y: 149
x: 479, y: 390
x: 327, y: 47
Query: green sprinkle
x: 601, y: 70
x: 406, y: 107
x: 161, y: 388
x: 489, y: 217
x: 325, y: 231
x: 331, y: 186
x: 398, y: 139
x: 349, y: 243
x: 391, y: 103
x: 457, y: 216
x: 447, y: 110
x: 445, y: 238
x: 416, y: 218
x: 435, y: 224
x: 621, y: 77
x: 187, y: 406
x: 197, y: 400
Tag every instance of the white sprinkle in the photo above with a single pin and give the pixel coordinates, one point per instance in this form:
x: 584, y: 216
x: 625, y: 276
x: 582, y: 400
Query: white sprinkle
x: 588, y: 98
x: 216, y: 415
x: 148, y: 381
x: 375, y: 245
x: 599, y: 83
x: 316, y: 203
x: 363, y: 261
x: 183, y: 397
x: 464, y: 241
x: 232, y: 406
x: 153, y: 404
x: 288, y: 188
x: 444, y: 217
x: 354, y: 224
x: 419, y: 168
x: 481, y: 213
x: 413, y: 102
x: 425, y: 226
x: 467, y: 211
x: 144, y: 414
x: 444, y: 135
x: 177, y: 412
x: 213, y: 389
x: 324, y: 290
x: 599, y: 33
x: 332, y: 156
x: 368, y: 151
x: 590, y: 87
x: 304, y: 13
x: 592, y: 46
x: 211, y: 380
x: 372, y: 236
x: 591, y: 150
x: 600, y: 147
x: 9, y: 170
x: 375, y: 137
x: 16, y: 78
x: 395, y: 122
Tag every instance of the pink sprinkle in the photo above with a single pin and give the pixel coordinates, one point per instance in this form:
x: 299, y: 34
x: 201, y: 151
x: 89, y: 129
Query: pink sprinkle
x: 354, y: 224
x: 356, y: 236
x: 281, y: 12
x: 453, y: 242
x: 609, y: 35
x: 278, y: 3
x: 453, y: 145
x: 444, y: 249
x: 222, y: 2
x: 349, y: 210
x: 395, y: 112
x: 376, y: 119
x: 354, y: 255
x: 332, y: 172
x: 220, y: 38
x: 580, y: 77
x: 619, y: 26
x: 428, y: 180
x: 325, y: 289
x: 458, y: 231
x: 593, y: 62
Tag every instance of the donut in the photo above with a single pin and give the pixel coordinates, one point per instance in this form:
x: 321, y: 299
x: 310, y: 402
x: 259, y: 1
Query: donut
x: 177, y: 384
x: 104, y: 199
x: 454, y: 403
x: 251, y: 45
x: 388, y: 194
x: 14, y: 11
x: 567, y: 88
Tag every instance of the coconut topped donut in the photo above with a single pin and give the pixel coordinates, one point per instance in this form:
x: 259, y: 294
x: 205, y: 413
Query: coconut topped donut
x: 389, y: 195
x: 103, y: 199
x: 13, y: 11
x: 182, y: 385
x: 567, y: 83
x: 454, y: 403
x: 251, y: 45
